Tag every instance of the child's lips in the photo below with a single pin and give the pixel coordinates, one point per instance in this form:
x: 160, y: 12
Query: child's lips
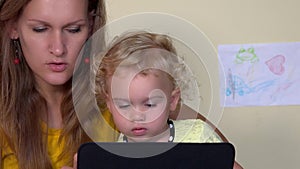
x: 139, y: 131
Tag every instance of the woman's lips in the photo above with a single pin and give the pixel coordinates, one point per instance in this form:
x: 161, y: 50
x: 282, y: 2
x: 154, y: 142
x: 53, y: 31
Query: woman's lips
x: 139, y: 131
x: 57, y: 67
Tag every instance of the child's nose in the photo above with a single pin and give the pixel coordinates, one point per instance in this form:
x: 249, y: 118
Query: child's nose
x: 138, y: 117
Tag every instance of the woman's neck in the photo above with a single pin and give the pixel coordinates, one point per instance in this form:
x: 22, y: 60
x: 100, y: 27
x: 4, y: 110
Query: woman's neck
x: 54, y: 114
x: 53, y: 96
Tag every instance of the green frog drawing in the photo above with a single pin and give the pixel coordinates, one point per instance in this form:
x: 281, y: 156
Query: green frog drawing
x: 246, y: 56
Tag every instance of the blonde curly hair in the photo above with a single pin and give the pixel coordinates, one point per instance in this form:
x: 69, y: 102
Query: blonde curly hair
x: 144, y: 51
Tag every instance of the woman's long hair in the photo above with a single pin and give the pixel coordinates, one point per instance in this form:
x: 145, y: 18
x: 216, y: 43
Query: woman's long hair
x: 21, y: 103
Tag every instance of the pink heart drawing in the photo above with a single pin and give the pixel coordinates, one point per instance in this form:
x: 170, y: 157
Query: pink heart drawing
x: 275, y: 64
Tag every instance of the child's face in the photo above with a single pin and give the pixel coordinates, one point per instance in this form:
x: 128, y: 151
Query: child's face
x: 141, y: 106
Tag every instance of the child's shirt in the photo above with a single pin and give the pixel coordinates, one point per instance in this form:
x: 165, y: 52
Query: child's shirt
x: 194, y: 130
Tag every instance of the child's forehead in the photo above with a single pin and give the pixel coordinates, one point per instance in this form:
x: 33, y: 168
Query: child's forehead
x: 128, y: 77
x: 140, y: 86
x: 133, y: 74
x: 149, y: 58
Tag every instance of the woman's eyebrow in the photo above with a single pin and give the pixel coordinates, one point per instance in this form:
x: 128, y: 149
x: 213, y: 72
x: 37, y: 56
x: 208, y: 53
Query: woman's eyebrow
x: 47, y: 23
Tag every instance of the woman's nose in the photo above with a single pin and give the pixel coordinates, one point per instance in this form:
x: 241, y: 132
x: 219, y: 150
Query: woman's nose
x: 57, y: 44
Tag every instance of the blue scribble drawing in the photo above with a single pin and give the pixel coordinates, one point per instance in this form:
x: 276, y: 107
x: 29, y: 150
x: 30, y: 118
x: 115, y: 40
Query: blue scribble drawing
x: 238, y: 86
x: 246, y: 56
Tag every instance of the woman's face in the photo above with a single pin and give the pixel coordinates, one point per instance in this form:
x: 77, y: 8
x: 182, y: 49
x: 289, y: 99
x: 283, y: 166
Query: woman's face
x: 52, y: 33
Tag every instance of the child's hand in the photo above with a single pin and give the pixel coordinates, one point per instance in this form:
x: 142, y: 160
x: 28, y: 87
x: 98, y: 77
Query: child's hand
x: 74, y: 163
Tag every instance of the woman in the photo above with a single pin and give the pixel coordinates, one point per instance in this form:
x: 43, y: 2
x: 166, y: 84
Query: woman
x: 40, y: 42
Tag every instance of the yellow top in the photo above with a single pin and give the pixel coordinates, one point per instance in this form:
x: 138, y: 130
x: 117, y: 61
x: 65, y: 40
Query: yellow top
x: 54, y: 150
x: 55, y: 147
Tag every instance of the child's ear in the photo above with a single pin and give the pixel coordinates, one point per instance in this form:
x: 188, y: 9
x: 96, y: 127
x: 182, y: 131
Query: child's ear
x: 107, y: 101
x: 175, y: 97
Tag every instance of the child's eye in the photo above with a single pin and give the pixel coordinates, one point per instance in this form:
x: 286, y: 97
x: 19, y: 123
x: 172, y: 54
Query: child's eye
x: 123, y: 106
x: 154, y: 102
x: 150, y: 104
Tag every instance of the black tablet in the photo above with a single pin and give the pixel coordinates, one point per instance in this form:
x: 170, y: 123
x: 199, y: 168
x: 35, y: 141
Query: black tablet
x: 156, y: 156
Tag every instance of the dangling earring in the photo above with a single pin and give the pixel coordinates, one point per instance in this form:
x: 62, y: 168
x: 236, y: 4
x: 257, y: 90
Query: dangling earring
x: 17, y: 51
x: 87, y: 52
x: 86, y: 60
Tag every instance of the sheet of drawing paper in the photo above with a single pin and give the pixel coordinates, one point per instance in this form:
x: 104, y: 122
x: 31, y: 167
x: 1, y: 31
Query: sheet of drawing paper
x: 260, y: 74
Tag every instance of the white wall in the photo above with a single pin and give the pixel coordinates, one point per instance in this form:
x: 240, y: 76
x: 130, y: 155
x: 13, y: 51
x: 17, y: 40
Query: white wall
x: 264, y: 137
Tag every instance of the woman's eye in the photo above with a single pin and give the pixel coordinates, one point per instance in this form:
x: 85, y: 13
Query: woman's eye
x: 39, y: 29
x: 74, y: 29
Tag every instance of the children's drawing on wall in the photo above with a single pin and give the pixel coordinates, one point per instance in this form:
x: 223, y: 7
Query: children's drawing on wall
x: 260, y: 74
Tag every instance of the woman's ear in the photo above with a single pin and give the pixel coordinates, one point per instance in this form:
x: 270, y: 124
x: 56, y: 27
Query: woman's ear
x: 175, y: 97
x: 91, y: 16
x: 13, y: 30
